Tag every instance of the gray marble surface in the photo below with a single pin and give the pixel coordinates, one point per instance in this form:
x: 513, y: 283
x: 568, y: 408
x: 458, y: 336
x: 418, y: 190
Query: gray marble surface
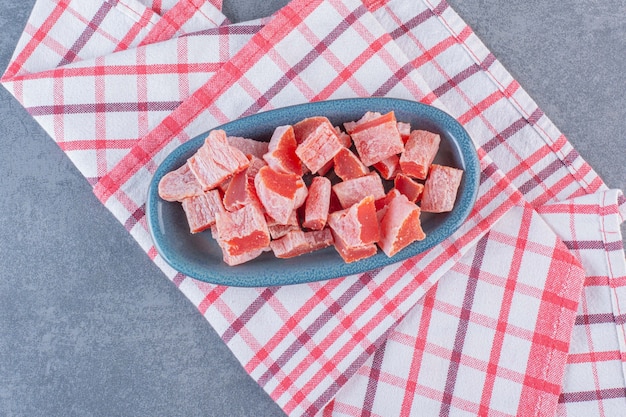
x: 90, y: 327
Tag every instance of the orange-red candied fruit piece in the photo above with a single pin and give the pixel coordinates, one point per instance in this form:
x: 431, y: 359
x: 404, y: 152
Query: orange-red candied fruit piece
x: 419, y: 152
x: 240, y: 189
x: 179, y: 184
x: 281, y: 154
x: 408, y: 186
x: 298, y: 242
x: 202, y: 209
x: 355, y: 230
x: 400, y: 225
x: 241, y: 233
x: 353, y: 190
x: 317, y: 204
x: 348, y: 165
x: 441, y: 188
x: 377, y: 139
x: 216, y: 160
x: 319, y: 143
x: 280, y: 193
x: 357, y: 225
x: 388, y: 167
x: 353, y: 253
x: 248, y: 146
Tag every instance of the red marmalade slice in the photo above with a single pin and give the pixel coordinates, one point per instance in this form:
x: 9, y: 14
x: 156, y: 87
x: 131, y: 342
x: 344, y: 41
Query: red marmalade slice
x: 280, y: 193
x: 344, y: 138
x: 348, y: 165
x: 408, y: 186
x: 370, y: 115
x: 388, y: 167
x: 383, y: 203
x: 355, y: 230
x: 346, y: 142
x: 278, y: 230
x: 353, y: 253
x: 281, y: 155
x: 240, y: 190
x: 304, y: 127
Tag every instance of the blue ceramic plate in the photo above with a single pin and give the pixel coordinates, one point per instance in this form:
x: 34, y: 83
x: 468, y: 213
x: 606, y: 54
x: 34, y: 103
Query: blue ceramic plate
x: 199, y: 256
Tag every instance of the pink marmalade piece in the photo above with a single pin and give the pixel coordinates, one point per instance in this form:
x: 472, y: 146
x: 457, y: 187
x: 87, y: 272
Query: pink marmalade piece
x: 409, y: 187
x: 298, y: 243
x: 281, y: 155
x: 377, y: 139
x: 319, y: 145
x: 280, y: 193
x: 348, y: 165
x: 179, y: 184
x: 388, y: 167
x: 202, y: 209
x: 400, y: 225
x: 354, y: 190
x: 317, y: 204
x: 216, y: 160
x: 355, y: 230
x: 248, y: 146
x: 240, y: 190
x: 242, y: 234
x: 419, y: 153
x: 440, y: 189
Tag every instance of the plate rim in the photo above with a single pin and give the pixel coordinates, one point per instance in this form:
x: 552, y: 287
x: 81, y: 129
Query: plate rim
x: 460, y: 137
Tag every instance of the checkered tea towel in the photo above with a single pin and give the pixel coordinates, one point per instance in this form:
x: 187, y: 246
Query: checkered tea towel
x: 520, y: 312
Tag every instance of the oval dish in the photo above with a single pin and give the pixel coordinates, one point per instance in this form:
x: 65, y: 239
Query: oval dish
x: 199, y: 256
